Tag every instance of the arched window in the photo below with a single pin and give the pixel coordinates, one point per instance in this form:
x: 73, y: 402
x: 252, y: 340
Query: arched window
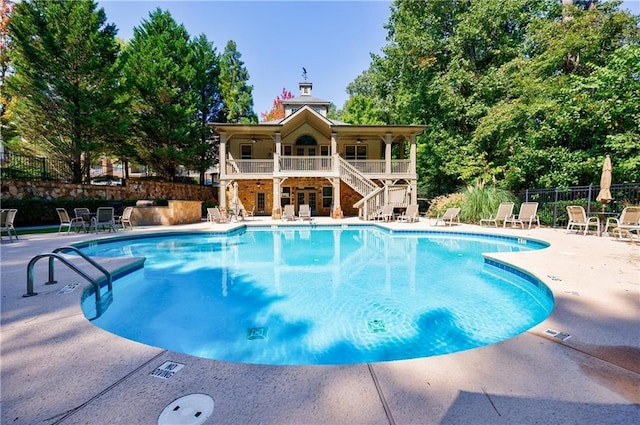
x: 306, y: 145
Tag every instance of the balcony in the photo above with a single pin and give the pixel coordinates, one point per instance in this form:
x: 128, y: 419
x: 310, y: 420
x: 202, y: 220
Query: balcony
x: 314, y: 166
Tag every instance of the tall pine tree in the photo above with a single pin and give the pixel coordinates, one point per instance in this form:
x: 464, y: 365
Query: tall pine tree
x: 234, y: 88
x: 65, y: 80
x: 158, y: 74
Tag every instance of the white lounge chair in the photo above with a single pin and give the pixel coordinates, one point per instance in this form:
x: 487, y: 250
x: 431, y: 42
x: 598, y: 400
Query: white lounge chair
x: 214, y: 215
x: 626, y: 224
x: 68, y: 222
x: 7, y: 218
x: 385, y: 214
x: 528, y: 214
x: 304, y: 212
x: 449, y: 216
x: 578, y: 219
x: 410, y: 215
x: 288, y: 214
x: 505, y: 210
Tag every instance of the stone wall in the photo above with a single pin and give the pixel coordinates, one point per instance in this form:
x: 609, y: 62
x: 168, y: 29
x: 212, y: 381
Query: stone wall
x: 178, y: 212
x: 134, y: 189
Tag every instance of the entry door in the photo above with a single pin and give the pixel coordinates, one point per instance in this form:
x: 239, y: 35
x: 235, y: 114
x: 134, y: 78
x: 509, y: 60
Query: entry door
x: 308, y: 197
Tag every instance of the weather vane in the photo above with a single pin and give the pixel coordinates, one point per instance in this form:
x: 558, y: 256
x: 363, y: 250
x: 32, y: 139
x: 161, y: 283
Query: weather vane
x: 304, y: 73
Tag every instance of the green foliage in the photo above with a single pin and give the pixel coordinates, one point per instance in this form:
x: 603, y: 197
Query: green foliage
x: 481, y: 201
x: 64, y: 85
x: 158, y: 69
x: 234, y: 88
x: 440, y: 204
x: 203, y: 154
x: 510, y: 92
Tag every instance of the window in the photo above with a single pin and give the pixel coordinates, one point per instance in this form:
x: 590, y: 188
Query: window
x: 354, y: 152
x: 261, y: 202
x: 287, y: 150
x: 325, y: 150
x: 246, y: 152
x: 327, y: 196
x: 285, y: 196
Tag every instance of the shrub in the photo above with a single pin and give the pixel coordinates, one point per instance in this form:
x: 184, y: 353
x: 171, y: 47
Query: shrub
x: 482, y: 201
x: 440, y: 204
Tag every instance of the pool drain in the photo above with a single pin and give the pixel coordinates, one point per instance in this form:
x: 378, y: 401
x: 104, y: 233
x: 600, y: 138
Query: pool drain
x: 192, y: 409
x: 377, y: 326
x: 257, y: 333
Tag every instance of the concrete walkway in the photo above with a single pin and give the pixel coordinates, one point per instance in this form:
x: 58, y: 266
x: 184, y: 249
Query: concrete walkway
x: 58, y: 368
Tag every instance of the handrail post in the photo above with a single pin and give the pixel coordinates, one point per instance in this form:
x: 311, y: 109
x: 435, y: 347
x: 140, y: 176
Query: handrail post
x: 51, y: 273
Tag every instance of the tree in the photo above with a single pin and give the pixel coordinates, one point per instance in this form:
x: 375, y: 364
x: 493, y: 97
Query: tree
x: 158, y: 70
x: 234, y: 88
x: 65, y: 81
x: 6, y: 7
x: 509, y: 90
x: 277, y: 109
x: 205, y: 84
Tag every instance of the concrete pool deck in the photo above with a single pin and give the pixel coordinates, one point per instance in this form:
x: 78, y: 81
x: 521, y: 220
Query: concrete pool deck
x: 58, y: 368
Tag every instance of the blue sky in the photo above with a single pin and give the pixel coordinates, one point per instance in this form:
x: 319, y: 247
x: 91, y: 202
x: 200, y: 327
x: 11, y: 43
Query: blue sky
x: 332, y: 39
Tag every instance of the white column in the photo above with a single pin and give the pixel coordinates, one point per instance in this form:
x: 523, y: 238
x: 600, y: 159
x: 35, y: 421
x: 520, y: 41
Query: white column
x: 222, y: 199
x: 387, y: 153
x: 413, y: 156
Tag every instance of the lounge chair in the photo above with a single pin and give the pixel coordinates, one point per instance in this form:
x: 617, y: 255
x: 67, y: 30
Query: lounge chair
x: 449, y: 216
x: 578, y: 219
x: 627, y: 223
x: 6, y: 223
x: 68, y: 222
x: 246, y: 214
x: 528, y: 214
x: 410, y: 215
x: 288, y: 214
x: 214, y: 215
x: 505, y: 210
x: 385, y: 214
x: 104, y: 218
x: 304, y: 212
x: 125, y: 219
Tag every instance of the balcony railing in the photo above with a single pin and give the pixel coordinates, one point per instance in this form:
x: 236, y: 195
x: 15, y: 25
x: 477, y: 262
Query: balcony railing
x: 306, y: 163
x: 313, y: 164
x: 250, y: 166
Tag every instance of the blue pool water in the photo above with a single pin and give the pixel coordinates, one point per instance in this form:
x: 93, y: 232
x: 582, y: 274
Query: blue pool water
x: 324, y: 295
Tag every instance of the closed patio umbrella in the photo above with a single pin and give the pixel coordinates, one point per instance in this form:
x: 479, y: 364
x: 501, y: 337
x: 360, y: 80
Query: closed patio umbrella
x: 604, y: 195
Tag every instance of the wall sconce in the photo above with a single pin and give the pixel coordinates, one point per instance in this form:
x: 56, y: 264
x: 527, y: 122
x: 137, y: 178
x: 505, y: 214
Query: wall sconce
x: 254, y: 141
x: 358, y: 141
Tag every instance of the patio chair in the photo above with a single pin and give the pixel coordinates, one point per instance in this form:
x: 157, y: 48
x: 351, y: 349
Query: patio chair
x: 288, y: 214
x: 104, y: 218
x: 449, y: 216
x: 68, y: 222
x: 385, y: 214
x: 627, y: 223
x: 578, y: 219
x: 83, y: 215
x: 214, y: 215
x: 6, y: 223
x: 410, y: 215
x: 528, y: 214
x: 504, y: 211
x: 304, y: 212
x: 125, y: 219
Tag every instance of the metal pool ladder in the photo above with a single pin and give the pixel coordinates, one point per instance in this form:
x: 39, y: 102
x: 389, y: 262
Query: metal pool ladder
x: 101, y: 304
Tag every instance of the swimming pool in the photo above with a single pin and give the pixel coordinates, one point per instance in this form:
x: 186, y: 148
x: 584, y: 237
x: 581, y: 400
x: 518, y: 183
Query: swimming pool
x: 323, y: 295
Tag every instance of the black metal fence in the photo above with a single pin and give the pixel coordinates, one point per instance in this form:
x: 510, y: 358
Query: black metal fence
x: 22, y: 167
x: 553, y: 202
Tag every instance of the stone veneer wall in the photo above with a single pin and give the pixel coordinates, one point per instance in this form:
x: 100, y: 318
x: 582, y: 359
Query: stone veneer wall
x: 178, y: 212
x: 247, y: 190
x: 134, y: 189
